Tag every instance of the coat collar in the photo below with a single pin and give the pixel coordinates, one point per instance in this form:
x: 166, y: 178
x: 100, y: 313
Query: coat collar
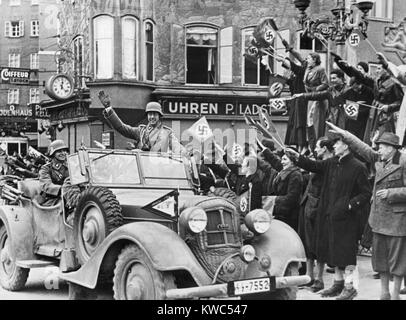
x: 388, y: 169
x: 286, y: 172
x: 346, y: 158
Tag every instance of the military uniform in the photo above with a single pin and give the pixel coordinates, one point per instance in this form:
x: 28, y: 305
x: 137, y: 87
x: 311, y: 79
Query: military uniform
x: 147, y: 137
x: 51, y: 177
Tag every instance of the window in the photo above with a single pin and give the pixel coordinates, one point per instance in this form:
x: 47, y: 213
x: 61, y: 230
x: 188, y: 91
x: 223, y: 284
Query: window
x: 14, y: 60
x: 201, y: 55
x: 383, y: 9
x: 13, y: 96
x: 34, y: 2
x: 129, y: 33
x: 104, y: 46
x: 15, y: 3
x: 78, y: 65
x: 307, y: 45
x: 34, y: 95
x: 14, y: 29
x: 34, y: 28
x: 34, y: 61
x: 254, y: 72
x: 149, y: 51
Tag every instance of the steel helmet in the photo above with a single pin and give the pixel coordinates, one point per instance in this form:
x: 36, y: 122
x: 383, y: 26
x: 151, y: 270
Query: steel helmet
x: 55, y: 146
x: 154, y: 107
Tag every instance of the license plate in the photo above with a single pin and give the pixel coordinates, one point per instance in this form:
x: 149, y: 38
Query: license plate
x: 249, y: 286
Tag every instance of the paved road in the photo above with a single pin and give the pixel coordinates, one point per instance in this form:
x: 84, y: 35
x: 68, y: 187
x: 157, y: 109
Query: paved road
x: 43, y: 285
x: 368, y: 288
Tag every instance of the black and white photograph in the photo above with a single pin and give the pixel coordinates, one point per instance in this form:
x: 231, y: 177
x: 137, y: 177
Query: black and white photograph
x: 206, y: 151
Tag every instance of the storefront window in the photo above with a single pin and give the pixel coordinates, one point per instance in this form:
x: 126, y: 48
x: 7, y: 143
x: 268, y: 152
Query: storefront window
x: 129, y: 37
x: 104, y: 46
x: 201, y: 55
x: 149, y: 51
x: 383, y: 9
x: 254, y: 71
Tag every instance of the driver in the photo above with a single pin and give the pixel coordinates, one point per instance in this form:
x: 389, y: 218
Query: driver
x: 53, y: 174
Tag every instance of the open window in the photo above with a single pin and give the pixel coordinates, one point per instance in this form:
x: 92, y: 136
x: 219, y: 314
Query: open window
x: 104, y: 46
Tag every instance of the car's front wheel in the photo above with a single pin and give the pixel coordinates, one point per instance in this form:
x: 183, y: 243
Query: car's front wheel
x: 135, y: 278
x: 12, y: 277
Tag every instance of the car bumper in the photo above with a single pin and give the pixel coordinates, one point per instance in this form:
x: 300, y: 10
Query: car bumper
x: 221, y: 290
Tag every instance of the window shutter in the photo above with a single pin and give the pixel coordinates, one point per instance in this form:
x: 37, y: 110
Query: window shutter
x: 226, y: 55
x: 178, y: 54
x: 7, y: 29
x: 280, y: 49
x: 21, y: 28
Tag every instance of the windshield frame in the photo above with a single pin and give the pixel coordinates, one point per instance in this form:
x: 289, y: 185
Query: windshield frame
x: 138, y: 154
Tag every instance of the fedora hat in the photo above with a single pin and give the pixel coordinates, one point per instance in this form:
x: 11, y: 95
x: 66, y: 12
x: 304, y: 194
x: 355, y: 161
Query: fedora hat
x: 389, y: 138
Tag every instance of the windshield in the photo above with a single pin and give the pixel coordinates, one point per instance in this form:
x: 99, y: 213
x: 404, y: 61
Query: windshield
x: 74, y: 170
x: 164, y: 171
x: 114, y: 168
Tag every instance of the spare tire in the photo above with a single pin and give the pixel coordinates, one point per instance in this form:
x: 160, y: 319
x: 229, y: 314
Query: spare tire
x: 223, y: 193
x: 97, y: 214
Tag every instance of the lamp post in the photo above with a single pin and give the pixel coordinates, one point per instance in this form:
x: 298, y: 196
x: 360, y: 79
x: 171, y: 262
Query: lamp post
x: 344, y: 22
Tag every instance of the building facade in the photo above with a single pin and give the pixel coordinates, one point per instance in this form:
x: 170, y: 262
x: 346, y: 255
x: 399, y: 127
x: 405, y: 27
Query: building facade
x: 187, y: 54
x: 19, y: 63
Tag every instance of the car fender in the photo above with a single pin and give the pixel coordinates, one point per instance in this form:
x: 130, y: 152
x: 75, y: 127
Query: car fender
x: 18, y: 222
x: 282, y: 244
x: 166, y: 250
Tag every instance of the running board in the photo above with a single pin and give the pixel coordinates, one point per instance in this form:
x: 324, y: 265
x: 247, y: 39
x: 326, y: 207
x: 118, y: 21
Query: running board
x: 32, y: 264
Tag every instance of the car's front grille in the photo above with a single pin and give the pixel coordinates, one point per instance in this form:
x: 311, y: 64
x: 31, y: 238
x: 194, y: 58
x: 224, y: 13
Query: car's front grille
x: 221, y: 228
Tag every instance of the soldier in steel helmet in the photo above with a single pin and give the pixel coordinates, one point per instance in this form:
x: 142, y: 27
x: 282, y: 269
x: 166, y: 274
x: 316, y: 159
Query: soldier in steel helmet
x: 151, y: 137
x: 53, y: 174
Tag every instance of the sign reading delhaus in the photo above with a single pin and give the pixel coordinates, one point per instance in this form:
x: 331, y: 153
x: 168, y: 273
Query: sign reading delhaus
x: 198, y: 106
x: 15, y: 75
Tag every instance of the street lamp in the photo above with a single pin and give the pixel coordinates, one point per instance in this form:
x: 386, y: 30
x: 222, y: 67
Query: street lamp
x: 339, y: 27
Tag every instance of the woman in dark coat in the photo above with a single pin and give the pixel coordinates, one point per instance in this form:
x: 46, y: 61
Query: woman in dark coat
x: 287, y: 186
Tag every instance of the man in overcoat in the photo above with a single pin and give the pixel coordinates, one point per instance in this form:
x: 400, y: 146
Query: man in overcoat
x: 388, y: 210
x: 345, y: 191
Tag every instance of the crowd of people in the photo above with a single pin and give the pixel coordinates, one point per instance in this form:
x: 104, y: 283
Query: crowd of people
x: 338, y: 179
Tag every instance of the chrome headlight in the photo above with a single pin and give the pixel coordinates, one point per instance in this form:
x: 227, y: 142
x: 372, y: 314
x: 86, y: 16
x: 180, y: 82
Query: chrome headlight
x: 247, y: 253
x: 194, y: 219
x: 258, y: 221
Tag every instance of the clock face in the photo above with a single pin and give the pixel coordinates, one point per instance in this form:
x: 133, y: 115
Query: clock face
x: 62, y: 87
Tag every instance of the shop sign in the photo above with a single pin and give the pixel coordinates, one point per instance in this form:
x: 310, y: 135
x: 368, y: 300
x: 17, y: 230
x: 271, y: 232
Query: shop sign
x: 108, y: 139
x: 14, y: 111
x: 15, y: 76
x: 71, y: 112
x: 39, y: 112
x: 184, y: 106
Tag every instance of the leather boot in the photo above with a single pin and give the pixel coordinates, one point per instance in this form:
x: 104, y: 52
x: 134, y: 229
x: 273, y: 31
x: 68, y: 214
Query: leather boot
x: 334, y: 290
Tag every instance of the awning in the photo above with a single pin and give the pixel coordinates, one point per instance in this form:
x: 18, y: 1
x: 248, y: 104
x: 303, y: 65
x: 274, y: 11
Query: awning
x: 212, y: 92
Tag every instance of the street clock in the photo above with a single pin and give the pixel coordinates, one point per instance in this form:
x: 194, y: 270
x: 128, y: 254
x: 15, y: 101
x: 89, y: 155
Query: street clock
x: 59, y: 87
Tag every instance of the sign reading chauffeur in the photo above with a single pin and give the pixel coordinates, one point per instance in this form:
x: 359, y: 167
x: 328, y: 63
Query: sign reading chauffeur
x: 233, y: 107
x: 15, y: 75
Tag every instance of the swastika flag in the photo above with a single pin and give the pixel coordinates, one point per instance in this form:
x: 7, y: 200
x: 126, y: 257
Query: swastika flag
x: 200, y: 130
x: 351, y: 110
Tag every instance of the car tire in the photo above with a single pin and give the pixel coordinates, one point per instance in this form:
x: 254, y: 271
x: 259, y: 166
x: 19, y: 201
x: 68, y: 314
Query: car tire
x: 97, y: 214
x: 12, y: 277
x: 223, y: 193
x: 135, y: 278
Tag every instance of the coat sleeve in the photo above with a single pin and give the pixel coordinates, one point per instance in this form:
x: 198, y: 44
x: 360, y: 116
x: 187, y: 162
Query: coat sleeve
x: 317, y: 95
x: 311, y: 165
x: 397, y: 94
x: 398, y: 195
x: 323, y: 79
x: 46, y: 184
x: 360, y: 147
x: 292, y: 197
x: 124, y: 129
x: 353, y: 72
x: 364, y: 187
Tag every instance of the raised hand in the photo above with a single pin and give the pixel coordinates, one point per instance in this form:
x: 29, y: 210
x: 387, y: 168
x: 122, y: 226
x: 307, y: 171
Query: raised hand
x: 292, y: 154
x: 382, y: 59
x: 336, y: 56
x: 104, y: 99
x: 335, y: 129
